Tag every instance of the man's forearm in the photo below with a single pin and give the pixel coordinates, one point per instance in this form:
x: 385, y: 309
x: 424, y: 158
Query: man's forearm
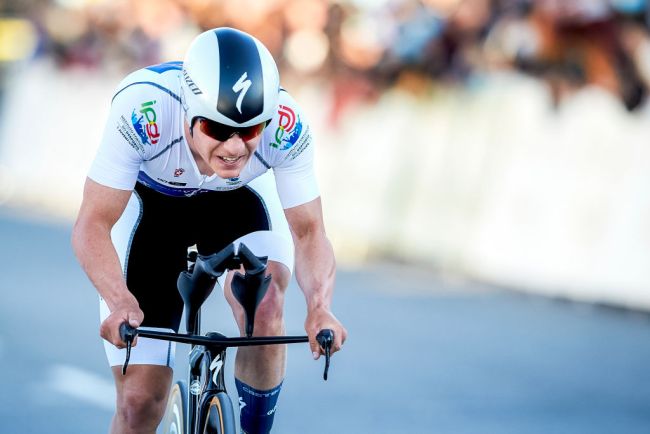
x: 92, y: 245
x: 315, y: 269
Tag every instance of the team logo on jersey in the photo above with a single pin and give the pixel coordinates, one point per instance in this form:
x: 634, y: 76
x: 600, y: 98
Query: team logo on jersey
x: 289, y: 129
x: 149, y: 133
x: 178, y: 172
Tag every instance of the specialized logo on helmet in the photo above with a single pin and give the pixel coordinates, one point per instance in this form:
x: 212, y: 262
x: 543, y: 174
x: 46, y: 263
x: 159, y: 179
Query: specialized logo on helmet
x: 190, y: 83
x: 289, y: 128
x: 242, y: 85
x: 148, y: 133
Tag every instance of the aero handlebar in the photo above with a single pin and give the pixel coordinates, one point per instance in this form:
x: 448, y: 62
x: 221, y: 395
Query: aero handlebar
x: 325, y: 339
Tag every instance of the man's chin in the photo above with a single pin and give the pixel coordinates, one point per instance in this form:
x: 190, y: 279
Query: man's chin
x: 228, y: 171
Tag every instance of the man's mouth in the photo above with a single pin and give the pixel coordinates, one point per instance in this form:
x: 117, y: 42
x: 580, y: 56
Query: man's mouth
x: 230, y: 160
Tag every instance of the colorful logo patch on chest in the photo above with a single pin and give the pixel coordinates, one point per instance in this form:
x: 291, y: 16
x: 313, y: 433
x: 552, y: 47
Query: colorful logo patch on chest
x: 289, y: 129
x: 145, y: 125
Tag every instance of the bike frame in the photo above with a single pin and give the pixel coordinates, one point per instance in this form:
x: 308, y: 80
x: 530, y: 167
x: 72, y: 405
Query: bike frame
x: 208, y: 354
x: 206, y: 361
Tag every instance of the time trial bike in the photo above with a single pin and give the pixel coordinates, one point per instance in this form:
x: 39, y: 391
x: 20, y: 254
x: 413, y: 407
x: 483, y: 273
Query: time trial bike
x: 204, y: 406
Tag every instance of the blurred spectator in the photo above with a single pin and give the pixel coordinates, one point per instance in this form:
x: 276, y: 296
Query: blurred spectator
x: 574, y: 44
x: 364, y: 47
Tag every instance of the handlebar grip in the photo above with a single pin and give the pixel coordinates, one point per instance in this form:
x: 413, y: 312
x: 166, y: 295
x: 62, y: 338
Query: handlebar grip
x: 127, y: 334
x: 325, y: 339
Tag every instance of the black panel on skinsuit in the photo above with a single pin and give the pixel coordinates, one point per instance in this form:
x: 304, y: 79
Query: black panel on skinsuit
x: 168, y: 226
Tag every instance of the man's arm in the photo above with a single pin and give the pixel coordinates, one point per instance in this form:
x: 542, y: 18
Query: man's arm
x: 315, y: 271
x: 91, y: 241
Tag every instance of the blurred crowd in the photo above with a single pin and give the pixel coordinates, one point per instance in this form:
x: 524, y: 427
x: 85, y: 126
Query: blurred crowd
x: 364, y: 47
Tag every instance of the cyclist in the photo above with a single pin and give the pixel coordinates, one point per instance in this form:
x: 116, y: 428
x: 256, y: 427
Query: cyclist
x: 185, y: 160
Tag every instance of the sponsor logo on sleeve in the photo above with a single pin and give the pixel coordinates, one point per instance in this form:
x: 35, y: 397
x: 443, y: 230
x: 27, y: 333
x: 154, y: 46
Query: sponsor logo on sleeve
x: 302, y: 144
x: 145, y: 124
x: 125, y: 129
x: 289, y: 129
x: 178, y: 172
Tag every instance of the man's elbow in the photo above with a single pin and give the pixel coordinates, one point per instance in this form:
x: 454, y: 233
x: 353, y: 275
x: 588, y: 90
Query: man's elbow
x: 308, y: 231
x: 78, y: 236
x: 84, y: 232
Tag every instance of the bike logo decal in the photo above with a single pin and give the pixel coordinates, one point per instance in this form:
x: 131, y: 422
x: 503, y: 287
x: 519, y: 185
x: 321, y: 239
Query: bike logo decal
x: 216, y: 366
x: 242, y: 85
x: 195, y: 387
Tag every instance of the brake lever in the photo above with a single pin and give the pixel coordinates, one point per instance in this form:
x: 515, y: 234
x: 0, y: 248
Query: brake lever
x: 128, y: 334
x: 325, y: 339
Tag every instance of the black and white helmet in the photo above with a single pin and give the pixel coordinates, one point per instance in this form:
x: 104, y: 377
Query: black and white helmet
x: 229, y: 77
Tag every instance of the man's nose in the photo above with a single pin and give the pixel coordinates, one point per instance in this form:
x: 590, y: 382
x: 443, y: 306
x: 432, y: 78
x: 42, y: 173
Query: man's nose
x: 234, y: 143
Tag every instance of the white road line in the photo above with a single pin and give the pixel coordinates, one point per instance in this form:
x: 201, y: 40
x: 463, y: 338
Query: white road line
x: 83, y: 385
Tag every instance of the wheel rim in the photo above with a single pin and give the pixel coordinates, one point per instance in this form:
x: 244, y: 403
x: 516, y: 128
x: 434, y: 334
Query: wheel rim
x: 176, y: 425
x: 214, y: 413
x: 173, y: 422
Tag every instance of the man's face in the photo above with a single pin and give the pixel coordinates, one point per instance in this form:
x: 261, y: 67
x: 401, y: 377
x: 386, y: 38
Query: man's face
x: 226, y: 158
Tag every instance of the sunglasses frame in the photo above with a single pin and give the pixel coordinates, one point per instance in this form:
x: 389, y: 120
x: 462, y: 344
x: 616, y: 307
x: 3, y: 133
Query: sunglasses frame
x: 243, y: 132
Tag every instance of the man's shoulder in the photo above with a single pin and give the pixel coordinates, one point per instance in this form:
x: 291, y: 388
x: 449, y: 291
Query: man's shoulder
x: 152, y: 80
x: 286, y: 100
x: 146, y: 108
x: 287, y: 127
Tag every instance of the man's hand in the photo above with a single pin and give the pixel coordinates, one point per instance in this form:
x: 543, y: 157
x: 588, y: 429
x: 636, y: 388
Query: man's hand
x: 319, y: 319
x: 129, y: 312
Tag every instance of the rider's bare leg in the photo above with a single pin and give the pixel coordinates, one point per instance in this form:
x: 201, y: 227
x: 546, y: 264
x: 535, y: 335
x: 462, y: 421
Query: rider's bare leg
x: 263, y: 367
x: 141, y: 398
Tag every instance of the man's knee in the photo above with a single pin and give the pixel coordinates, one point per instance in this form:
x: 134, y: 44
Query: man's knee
x: 140, y: 409
x: 141, y: 400
x: 268, y: 316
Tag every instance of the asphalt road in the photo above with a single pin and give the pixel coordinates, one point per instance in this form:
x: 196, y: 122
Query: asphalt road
x: 424, y: 355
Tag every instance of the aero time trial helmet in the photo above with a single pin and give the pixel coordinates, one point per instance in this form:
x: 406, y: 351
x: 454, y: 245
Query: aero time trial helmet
x: 229, y: 77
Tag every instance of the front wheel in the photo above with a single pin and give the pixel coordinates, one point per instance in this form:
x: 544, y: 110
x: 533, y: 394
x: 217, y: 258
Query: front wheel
x: 176, y: 412
x: 221, y: 417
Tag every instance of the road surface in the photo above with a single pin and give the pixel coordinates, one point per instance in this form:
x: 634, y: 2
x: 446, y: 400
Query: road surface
x: 424, y: 355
